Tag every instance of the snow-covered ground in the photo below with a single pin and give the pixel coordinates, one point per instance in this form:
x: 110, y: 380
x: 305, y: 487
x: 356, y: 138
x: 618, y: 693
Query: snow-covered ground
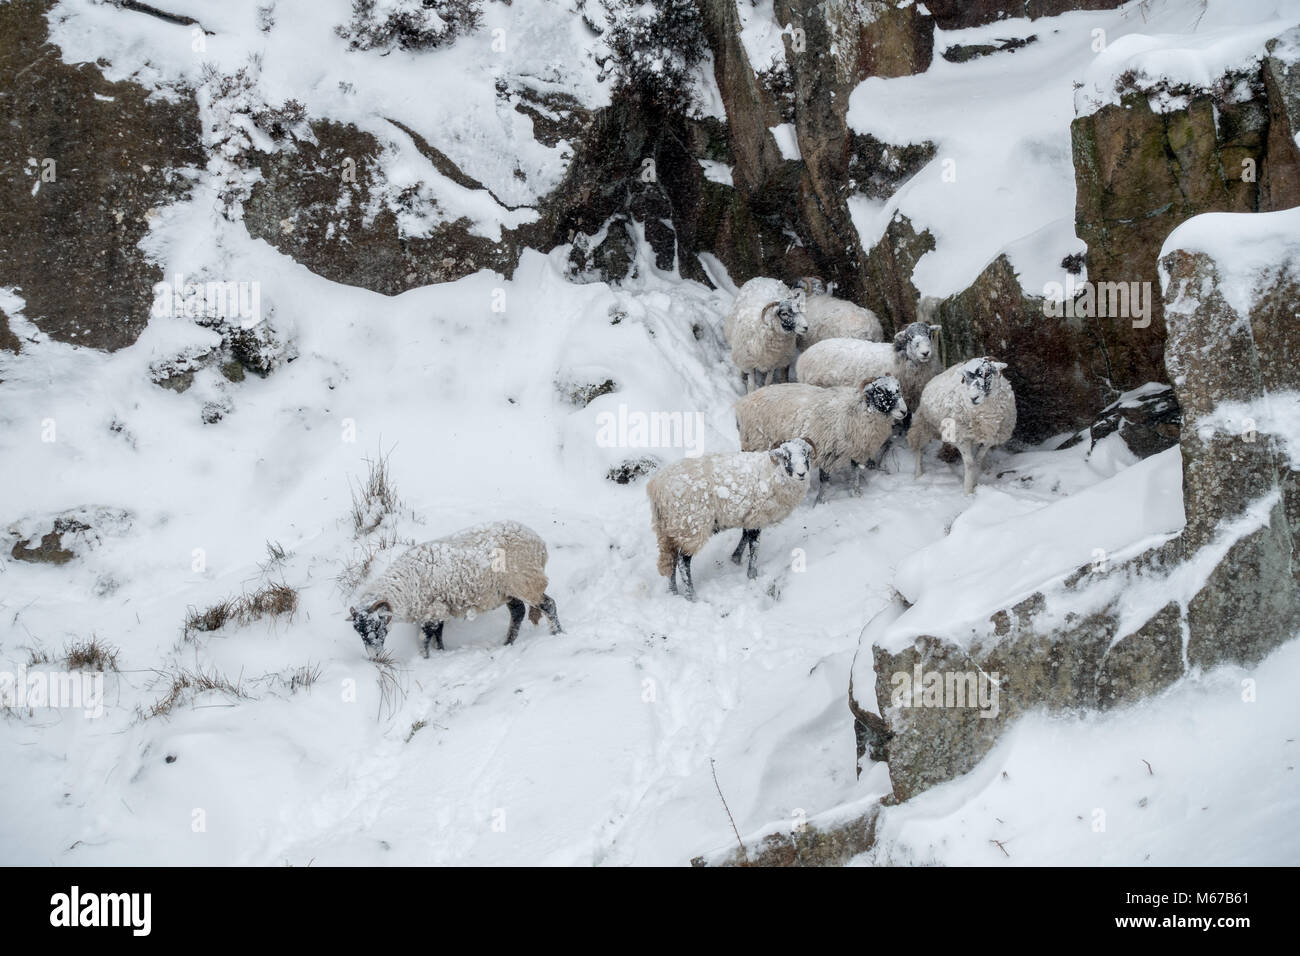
x: 595, y: 746
x: 1204, y: 774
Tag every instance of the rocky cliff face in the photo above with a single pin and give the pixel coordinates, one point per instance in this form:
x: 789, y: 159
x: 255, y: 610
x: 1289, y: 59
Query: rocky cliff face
x: 1223, y: 590
x: 86, y: 165
x: 1138, y: 174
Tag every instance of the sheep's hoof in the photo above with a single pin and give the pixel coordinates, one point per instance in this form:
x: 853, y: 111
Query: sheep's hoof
x: 751, y: 574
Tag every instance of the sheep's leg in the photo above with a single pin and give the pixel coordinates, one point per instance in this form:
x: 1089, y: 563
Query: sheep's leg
x: 686, y: 577
x: 672, y: 578
x: 432, y: 634
x: 548, y: 608
x: 744, y: 380
x: 916, y: 441
x: 970, y: 467
x: 857, y: 478
x: 823, y: 480
x: 876, y: 461
x: 753, y: 552
x: 517, y: 609
x: 740, y: 548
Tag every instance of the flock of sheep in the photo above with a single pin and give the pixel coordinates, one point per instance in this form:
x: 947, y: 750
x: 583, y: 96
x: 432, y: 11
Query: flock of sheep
x: 852, y: 391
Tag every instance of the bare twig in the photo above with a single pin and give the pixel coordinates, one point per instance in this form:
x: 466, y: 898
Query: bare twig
x: 743, y: 851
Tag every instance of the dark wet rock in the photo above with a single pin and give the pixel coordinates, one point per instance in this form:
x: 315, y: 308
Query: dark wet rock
x: 60, y: 538
x: 814, y: 843
x: 963, y: 53
x: 1280, y: 177
x: 1140, y: 173
x: 1147, y: 419
x: 889, y: 264
x: 583, y: 394
x: 116, y: 155
x: 877, y: 169
x: 1054, y: 365
x: 314, y: 202
x: 629, y: 471
x: 958, y: 14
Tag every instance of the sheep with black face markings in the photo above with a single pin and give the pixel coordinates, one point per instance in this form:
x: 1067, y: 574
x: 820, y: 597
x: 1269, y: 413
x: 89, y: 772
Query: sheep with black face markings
x: 695, y: 498
x: 848, y: 426
x: 464, y: 574
x: 762, y: 327
x: 911, y: 358
x: 970, y: 406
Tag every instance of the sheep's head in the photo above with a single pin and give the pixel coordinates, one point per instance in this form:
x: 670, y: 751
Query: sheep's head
x: 885, y: 395
x: 916, y: 342
x: 790, y: 313
x: 794, y: 456
x: 979, y: 375
x: 372, y: 624
x: 811, y: 285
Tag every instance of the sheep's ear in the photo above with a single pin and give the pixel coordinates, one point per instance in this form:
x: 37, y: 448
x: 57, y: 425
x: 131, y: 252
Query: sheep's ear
x: 352, y: 613
x: 999, y: 365
x: 779, y: 456
x: 935, y: 328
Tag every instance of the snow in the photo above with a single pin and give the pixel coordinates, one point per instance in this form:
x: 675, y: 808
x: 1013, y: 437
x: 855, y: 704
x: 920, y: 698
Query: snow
x: 760, y: 34
x: 1158, y: 783
x: 1002, y: 180
x: 1244, y: 246
x: 1003, y: 548
x: 447, y: 95
x: 1221, y: 42
x: 717, y: 172
x: 1276, y: 414
x: 597, y: 745
x: 787, y: 141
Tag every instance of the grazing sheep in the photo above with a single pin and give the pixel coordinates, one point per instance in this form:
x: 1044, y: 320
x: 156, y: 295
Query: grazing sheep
x: 832, y: 318
x: 970, y: 406
x: 849, y: 426
x: 695, y: 498
x: 464, y: 574
x: 761, y: 328
x: 911, y: 358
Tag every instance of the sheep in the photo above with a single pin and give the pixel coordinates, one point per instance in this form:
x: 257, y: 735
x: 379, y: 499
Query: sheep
x: 474, y: 570
x: 761, y: 328
x: 832, y: 318
x: 849, y: 426
x: 911, y: 358
x: 970, y: 406
x: 695, y: 498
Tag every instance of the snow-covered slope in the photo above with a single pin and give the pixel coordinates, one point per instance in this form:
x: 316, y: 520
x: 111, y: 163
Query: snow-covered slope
x: 1204, y: 774
x: 595, y: 746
